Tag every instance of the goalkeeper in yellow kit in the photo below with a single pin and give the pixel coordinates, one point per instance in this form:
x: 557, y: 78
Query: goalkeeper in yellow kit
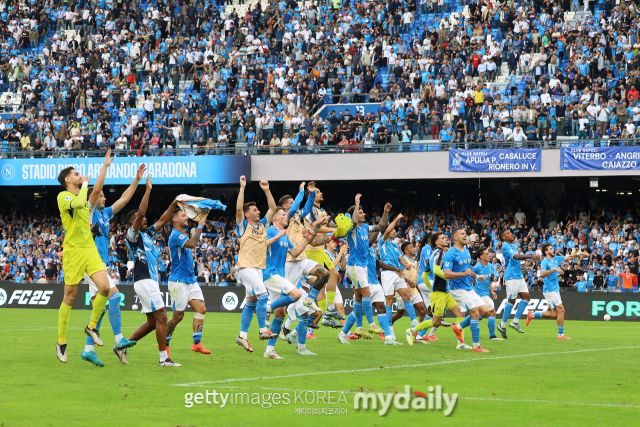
x: 80, y: 254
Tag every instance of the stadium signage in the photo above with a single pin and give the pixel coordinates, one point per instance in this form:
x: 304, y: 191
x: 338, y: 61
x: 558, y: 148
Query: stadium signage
x: 600, y: 158
x: 578, y: 305
x: 498, y: 160
x: 435, y: 399
x: 163, y: 170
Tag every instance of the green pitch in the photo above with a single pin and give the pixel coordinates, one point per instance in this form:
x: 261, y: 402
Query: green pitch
x: 530, y: 378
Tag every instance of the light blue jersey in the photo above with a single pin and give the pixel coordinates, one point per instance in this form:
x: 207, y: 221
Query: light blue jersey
x: 276, y: 254
x: 102, y: 218
x: 425, y: 267
x: 372, y: 271
x: 181, y: 259
x: 458, y: 261
x: 551, y: 281
x: 512, y: 268
x: 483, y: 289
x: 358, y: 241
x: 389, y: 253
x: 143, y: 252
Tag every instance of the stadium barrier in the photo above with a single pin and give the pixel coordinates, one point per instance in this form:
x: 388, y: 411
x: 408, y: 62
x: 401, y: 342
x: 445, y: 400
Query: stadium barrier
x: 578, y: 306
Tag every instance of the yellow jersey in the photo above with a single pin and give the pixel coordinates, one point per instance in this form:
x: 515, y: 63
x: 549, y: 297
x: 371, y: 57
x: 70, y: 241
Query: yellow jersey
x: 75, y: 221
x: 253, y: 244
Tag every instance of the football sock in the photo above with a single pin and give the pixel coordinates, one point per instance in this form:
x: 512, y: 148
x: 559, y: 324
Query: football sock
x: 63, y: 322
x: 382, y: 319
x: 261, y: 311
x: 408, y: 306
x: 428, y: 323
x: 521, y: 307
x: 433, y: 330
x: 288, y: 324
x: 466, y: 322
x: 98, y: 307
x: 368, y: 311
x: 538, y: 314
x: 284, y: 300
x: 197, y: 337
x: 246, y: 317
x: 276, y: 327
x: 475, y: 331
x: 507, y: 313
x: 163, y: 356
x: 351, y: 319
x: 168, y: 340
x: 313, y: 294
x: 115, y: 317
x: 89, y: 343
x: 357, y: 309
x: 302, y: 329
x: 492, y: 326
x: 331, y: 297
x: 560, y: 330
x: 389, y: 314
x: 323, y: 305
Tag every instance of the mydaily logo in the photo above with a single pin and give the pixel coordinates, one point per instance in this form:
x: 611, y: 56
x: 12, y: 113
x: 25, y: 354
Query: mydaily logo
x: 433, y: 400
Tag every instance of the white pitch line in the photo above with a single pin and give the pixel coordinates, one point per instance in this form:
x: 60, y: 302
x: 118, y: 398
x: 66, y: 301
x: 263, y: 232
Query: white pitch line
x: 51, y: 328
x: 490, y: 399
x: 417, y: 365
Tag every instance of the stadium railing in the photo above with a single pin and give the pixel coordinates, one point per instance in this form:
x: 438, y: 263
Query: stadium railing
x: 244, y: 149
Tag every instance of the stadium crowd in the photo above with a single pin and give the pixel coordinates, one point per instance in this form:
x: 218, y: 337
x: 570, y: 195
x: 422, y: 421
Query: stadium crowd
x: 197, y: 76
x: 30, y: 248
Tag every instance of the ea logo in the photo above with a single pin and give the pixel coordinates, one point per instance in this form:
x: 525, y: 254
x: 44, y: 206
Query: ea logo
x: 8, y: 172
x: 3, y: 296
x: 229, y: 301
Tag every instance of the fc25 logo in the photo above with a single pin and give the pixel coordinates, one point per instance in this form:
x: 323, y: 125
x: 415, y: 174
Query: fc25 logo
x: 28, y: 297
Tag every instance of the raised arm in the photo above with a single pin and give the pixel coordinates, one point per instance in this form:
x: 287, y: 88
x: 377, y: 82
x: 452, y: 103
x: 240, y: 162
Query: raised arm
x: 128, y: 194
x: 520, y: 257
x: 166, y: 216
x: 240, y: 202
x: 311, y: 198
x: 272, y: 203
x: 193, y: 241
x: 97, y: 188
x: 356, y: 211
x: 383, y: 221
x: 142, y: 210
x: 296, y: 202
x: 81, y: 199
x: 391, y: 227
x: 275, y: 238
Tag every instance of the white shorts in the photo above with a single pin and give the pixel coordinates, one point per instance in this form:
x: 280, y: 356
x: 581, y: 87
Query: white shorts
x: 488, y: 302
x: 466, y: 299
x: 391, y: 282
x: 358, y: 275
x: 514, y: 287
x: 93, y: 289
x: 415, y: 299
x: 295, y: 270
x: 553, y: 298
x: 149, y: 295
x: 182, y: 293
x: 251, y: 279
x: 278, y: 286
x: 426, y: 294
x: 377, y: 294
x: 298, y: 309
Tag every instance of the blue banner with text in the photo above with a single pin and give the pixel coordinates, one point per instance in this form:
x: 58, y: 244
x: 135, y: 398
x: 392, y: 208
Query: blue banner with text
x: 600, y: 158
x: 498, y: 160
x: 163, y: 170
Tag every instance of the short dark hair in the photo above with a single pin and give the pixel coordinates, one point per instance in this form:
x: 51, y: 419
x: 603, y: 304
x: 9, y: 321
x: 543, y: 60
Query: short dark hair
x: 544, y: 249
x: 246, y: 206
x: 283, y: 199
x: 404, y: 245
x: 132, y: 213
x: 351, y: 210
x: 481, y: 251
x: 434, y: 239
x: 64, y: 173
x: 504, y: 230
x: 455, y: 230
